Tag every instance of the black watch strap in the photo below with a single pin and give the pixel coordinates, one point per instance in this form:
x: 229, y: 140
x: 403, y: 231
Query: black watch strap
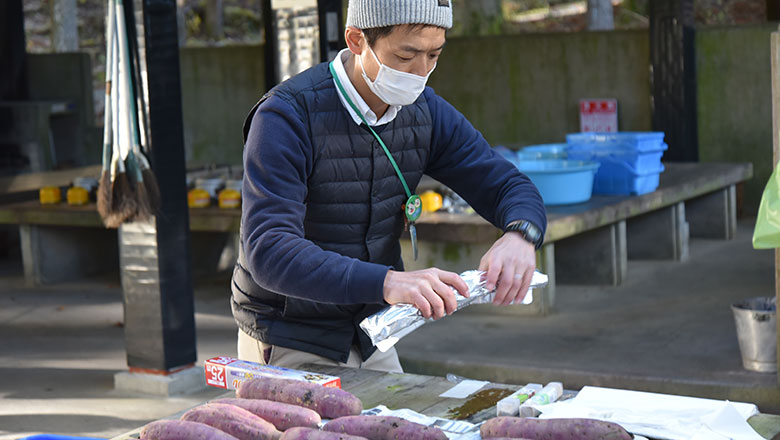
x: 529, y: 231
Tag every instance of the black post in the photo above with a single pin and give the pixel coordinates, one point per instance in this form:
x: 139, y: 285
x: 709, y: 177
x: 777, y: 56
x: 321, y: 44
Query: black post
x: 673, y: 57
x: 331, y: 21
x: 159, y: 320
x: 13, y: 58
x: 13, y: 87
x: 271, y: 78
x: 772, y: 10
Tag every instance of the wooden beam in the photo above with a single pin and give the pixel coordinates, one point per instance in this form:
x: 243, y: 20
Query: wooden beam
x: 35, y: 181
x: 776, y: 156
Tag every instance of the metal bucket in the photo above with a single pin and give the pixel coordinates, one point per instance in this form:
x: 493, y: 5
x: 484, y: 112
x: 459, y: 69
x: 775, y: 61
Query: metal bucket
x: 756, y: 320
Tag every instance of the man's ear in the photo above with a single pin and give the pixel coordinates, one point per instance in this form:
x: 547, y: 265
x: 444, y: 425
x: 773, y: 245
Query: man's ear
x: 354, y: 39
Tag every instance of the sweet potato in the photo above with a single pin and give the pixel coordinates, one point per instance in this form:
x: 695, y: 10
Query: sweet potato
x: 180, y: 429
x: 315, y: 434
x: 553, y: 429
x: 282, y: 415
x: 235, y: 421
x: 329, y: 403
x: 384, y: 428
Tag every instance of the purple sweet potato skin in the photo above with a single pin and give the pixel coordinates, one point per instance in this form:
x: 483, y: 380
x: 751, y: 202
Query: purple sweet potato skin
x: 233, y: 420
x: 182, y: 430
x: 315, y: 434
x: 384, y: 428
x: 552, y: 429
x: 330, y: 403
x: 282, y: 415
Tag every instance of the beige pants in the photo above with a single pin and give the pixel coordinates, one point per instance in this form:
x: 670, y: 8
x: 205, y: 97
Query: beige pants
x: 250, y: 349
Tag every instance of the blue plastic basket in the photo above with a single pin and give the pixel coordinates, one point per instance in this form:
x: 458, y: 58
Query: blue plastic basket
x: 617, y: 178
x: 561, y: 182
x: 641, y: 162
x: 641, y: 141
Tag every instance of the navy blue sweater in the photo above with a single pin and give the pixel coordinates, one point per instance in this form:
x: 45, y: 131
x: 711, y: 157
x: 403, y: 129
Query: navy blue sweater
x: 277, y: 161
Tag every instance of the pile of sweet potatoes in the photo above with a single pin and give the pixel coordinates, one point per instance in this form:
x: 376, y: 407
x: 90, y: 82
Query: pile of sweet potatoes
x: 282, y: 409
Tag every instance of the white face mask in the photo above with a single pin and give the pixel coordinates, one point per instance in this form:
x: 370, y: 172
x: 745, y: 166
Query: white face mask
x: 394, y: 87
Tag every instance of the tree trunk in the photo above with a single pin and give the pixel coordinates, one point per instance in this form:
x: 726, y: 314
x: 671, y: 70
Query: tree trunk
x: 214, y: 19
x: 64, y: 26
x: 600, y: 17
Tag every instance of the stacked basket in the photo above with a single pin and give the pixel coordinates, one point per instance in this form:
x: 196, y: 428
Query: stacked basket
x: 630, y: 161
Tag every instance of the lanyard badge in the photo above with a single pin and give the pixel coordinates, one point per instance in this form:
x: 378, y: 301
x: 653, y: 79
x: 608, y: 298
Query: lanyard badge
x: 413, y: 206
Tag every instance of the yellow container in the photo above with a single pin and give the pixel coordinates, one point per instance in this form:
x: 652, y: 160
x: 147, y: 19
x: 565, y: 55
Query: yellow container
x: 77, y: 196
x: 198, y: 198
x: 431, y: 200
x: 50, y: 195
x: 229, y: 199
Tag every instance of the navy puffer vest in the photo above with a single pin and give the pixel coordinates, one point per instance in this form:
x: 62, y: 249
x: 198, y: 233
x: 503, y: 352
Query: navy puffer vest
x: 353, y: 208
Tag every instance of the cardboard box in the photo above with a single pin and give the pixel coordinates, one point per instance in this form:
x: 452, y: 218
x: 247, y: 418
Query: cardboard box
x: 227, y: 372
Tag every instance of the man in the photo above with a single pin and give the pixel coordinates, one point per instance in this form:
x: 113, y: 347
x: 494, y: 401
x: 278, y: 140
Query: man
x: 331, y: 157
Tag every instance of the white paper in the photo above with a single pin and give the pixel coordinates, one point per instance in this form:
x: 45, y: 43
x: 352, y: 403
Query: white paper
x: 660, y: 416
x: 728, y: 423
x: 463, y: 389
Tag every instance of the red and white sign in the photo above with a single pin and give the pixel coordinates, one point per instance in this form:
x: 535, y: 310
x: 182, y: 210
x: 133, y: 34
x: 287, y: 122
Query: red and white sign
x: 599, y: 115
x: 215, y: 375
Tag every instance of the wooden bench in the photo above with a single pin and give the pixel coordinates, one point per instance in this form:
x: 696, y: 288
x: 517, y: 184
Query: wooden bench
x: 586, y: 243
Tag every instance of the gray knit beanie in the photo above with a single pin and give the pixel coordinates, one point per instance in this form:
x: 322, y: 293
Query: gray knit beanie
x: 367, y: 14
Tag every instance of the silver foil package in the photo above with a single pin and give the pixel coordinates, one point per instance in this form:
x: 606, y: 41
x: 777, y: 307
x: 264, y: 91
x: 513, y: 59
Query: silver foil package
x: 392, y: 323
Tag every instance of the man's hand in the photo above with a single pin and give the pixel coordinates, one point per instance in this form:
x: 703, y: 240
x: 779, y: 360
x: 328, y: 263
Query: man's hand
x: 510, y: 265
x: 430, y: 290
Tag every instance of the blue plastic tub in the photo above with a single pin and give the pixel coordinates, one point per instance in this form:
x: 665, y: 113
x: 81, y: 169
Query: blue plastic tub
x: 561, y: 182
x: 543, y: 151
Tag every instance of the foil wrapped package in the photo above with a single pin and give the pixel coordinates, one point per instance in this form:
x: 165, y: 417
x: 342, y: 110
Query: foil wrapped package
x: 392, y: 323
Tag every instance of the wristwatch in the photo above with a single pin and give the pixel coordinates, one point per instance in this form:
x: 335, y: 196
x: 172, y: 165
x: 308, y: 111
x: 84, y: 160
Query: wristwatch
x: 528, y: 231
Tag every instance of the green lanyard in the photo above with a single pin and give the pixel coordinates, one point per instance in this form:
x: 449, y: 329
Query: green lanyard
x: 413, y: 205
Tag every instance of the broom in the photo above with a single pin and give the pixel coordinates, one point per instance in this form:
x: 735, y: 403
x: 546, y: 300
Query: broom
x: 123, y: 201
x: 130, y: 146
x: 147, y: 174
x: 104, y: 186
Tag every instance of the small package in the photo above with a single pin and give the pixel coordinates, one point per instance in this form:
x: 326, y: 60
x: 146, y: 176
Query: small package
x: 510, y: 405
x: 227, y: 372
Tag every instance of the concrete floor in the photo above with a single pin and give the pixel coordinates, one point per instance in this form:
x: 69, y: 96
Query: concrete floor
x: 668, y: 328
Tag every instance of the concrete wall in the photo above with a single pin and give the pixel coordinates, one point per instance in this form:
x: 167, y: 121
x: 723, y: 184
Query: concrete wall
x: 525, y: 89
x: 521, y: 90
x: 735, y: 101
x: 219, y: 87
